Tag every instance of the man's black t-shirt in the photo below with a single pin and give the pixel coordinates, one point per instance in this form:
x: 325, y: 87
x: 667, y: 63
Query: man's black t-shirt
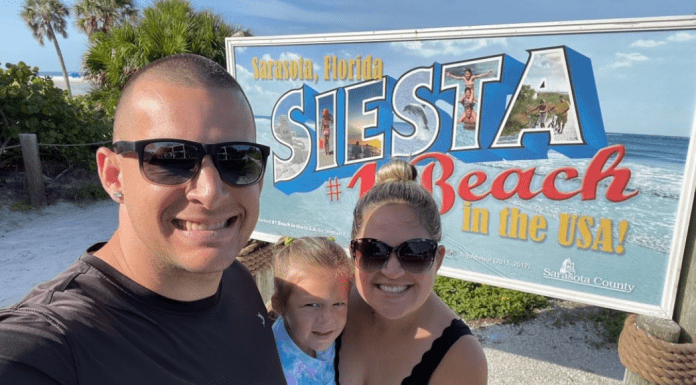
x: 93, y: 325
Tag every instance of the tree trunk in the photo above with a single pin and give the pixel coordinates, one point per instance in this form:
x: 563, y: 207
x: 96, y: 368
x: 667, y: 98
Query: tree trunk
x: 52, y: 36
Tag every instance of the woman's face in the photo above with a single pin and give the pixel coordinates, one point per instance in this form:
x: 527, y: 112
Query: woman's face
x: 393, y: 292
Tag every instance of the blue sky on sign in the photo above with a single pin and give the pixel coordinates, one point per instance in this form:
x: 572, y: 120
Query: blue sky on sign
x: 278, y: 17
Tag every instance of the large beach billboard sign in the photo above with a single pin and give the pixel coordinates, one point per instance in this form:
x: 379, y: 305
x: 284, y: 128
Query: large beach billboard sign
x: 560, y: 154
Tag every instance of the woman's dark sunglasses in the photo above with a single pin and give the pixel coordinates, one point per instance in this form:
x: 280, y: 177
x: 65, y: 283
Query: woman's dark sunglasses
x: 176, y: 161
x: 415, y: 255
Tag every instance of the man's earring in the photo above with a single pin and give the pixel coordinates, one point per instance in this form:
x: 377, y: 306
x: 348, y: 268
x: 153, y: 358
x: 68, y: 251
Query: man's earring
x: 118, y: 195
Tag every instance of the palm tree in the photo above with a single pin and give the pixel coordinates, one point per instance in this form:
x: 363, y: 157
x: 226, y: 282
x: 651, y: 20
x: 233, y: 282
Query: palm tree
x: 102, y: 15
x: 45, y: 18
x: 167, y: 27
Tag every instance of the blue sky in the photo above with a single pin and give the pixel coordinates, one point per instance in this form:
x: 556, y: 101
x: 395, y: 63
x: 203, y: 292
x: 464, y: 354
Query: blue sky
x: 276, y: 17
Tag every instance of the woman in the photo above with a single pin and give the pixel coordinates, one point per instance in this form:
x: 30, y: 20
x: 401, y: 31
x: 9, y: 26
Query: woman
x: 398, y: 331
x: 326, y: 120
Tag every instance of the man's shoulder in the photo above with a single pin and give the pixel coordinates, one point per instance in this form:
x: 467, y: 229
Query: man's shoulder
x: 34, y: 347
x: 54, y: 304
x: 37, y: 334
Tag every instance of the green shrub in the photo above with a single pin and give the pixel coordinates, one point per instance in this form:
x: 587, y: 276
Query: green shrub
x: 475, y: 301
x: 610, y: 322
x: 22, y: 206
x: 89, y: 192
x: 166, y: 27
x: 30, y: 103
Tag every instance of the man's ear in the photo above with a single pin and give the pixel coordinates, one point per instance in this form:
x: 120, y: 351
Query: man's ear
x: 109, y: 169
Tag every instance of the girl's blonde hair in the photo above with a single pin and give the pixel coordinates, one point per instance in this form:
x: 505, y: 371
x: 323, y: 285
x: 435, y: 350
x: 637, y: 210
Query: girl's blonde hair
x: 306, y: 251
x: 395, y: 182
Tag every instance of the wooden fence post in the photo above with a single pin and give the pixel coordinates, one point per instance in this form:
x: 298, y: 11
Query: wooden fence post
x: 32, y: 170
x: 683, y: 328
x: 685, y: 306
x: 663, y: 329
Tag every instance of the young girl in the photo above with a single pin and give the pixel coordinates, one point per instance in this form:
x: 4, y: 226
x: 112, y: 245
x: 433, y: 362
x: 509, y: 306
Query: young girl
x: 469, y: 78
x: 312, y: 285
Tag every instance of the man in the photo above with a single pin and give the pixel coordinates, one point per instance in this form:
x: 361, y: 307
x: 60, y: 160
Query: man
x: 469, y: 118
x: 163, y: 301
x: 561, y: 108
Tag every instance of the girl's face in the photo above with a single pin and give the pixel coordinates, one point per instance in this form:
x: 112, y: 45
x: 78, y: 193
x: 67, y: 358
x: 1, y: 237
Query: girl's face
x: 316, y: 310
x: 467, y: 92
x: 392, y: 291
x: 467, y: 74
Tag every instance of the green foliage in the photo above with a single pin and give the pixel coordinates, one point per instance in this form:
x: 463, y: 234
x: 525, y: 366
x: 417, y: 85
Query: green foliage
x: 46, y: 18
x: 89, y: 192
x: 611, y: 322
x: 518, y: 116
x: 167, y: 27
x: 32, y: 104
x: 102, y: 15
x: 22, y: 206
x: 475, y: 301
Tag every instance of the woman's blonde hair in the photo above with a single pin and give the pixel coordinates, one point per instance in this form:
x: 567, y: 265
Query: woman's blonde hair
x: 306, y: 251
x: 396, y: 183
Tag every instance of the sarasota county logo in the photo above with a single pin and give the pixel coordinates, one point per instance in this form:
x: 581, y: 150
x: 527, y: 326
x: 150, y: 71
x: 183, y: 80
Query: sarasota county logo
x: 567, y: 273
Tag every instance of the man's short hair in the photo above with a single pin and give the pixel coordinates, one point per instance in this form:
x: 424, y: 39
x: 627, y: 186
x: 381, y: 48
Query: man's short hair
x: 188, y: 70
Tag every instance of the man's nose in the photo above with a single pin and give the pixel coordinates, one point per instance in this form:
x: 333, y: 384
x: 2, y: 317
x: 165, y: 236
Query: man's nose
x: 207, y: 186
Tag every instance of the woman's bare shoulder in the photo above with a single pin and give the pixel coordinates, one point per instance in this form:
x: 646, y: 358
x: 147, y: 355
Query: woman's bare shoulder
x: 465, y: 363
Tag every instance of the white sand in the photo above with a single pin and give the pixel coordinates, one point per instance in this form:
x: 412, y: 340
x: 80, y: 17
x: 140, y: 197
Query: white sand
x: 78, y: 85
x: 38, y: 245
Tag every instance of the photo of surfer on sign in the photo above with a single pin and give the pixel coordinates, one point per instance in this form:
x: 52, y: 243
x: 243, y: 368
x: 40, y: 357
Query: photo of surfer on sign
x: 469, y: 118
x: 326, y: 120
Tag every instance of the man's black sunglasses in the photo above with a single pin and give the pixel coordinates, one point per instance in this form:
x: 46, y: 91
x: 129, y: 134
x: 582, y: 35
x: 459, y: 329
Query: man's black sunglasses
x: 176, y: 161
x: 415, y: 255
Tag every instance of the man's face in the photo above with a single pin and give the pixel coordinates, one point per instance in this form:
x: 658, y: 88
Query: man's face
x: 201, y: 225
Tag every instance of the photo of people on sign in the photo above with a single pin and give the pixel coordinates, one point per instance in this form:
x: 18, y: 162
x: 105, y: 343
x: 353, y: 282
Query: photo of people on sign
x: 557, y: 168
x: 543, y: 101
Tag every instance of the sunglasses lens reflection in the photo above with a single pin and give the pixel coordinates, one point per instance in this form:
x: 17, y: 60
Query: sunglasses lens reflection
x: 415, y: 255
x: 240, y: 164
x: 172, y: 163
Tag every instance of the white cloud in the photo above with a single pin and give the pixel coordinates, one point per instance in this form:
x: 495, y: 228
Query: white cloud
x: 681, y: 36
x: 627, y: 59
x: 647, y: 43
x: 446, y: 47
